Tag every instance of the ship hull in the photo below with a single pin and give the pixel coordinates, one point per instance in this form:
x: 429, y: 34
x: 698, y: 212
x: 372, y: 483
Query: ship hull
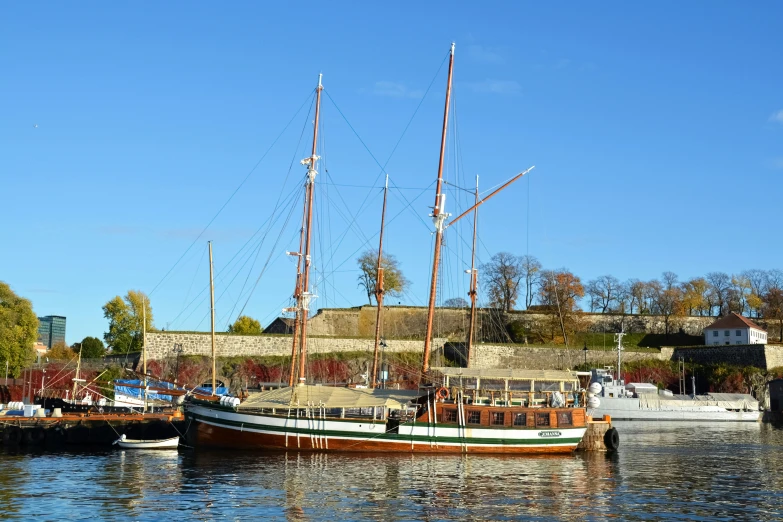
x: 219, y: 428
x: 631, y: 410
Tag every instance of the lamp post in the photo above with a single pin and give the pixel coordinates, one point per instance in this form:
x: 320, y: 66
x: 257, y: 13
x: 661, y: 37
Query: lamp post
x: 177, y: 350
x: 585, y: 350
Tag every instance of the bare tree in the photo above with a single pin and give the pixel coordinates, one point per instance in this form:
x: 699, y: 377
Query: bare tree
x: 720, y: 283
x: 503, y: 275
x: 531, y: 267
x: 394, y: 282
x: 759, y: 283
x: 603, y: 292
x: 669, y: 280
x: 636, y: 291
x: 456, y: 302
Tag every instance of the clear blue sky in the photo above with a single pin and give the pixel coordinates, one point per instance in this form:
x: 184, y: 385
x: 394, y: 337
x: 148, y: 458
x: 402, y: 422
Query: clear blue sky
x: 656, y: 131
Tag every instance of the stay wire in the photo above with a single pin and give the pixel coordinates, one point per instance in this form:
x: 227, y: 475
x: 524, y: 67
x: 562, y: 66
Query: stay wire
x: 268, y: 150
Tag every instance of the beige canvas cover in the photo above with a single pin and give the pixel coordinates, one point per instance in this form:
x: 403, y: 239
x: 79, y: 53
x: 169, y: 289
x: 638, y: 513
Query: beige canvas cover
x: 510, y: 374
x: 325, y: 396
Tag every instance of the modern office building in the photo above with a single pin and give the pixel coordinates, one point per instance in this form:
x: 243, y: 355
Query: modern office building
x: 51, y: 330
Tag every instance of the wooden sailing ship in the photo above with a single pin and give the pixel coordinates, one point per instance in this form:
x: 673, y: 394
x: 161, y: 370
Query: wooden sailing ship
x: 457, y: 410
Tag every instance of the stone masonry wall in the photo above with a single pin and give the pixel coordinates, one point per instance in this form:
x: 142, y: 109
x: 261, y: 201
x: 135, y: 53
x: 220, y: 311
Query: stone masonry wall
x: 758, y: 355
x: 409, y: 322
x: 160, y: 345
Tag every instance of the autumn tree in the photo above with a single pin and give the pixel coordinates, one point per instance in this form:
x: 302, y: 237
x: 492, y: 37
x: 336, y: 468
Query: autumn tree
x: 126, y: 319
x: 694, y: 296
x: 394, y: 282
x: 502, y: 276
x: 61, y: 352
x: 738, y: 293
x: 245, y: 325
x: 531, y: 268
x: 773, y: 308
x: 603, y: 292
x: 18, y: 330
x: 559, y: 292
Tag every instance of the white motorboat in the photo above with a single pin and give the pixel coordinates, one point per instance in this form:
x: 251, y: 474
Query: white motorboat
x: 127, y: 443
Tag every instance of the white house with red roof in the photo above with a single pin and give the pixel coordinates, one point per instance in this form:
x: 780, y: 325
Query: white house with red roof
x: 734, y: 329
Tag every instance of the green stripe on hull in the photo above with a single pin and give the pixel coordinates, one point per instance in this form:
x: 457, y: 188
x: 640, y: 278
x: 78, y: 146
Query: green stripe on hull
x: 392, y: 437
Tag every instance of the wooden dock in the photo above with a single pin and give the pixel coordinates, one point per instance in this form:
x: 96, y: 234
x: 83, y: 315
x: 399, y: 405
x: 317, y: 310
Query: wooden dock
x: 88, y: 429
x: 600, y: 436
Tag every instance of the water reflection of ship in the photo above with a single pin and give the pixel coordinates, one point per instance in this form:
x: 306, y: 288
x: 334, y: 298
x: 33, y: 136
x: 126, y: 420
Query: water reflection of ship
x: 400, y: 487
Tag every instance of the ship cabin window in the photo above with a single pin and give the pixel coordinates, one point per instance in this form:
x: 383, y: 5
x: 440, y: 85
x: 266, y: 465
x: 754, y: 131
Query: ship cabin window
x: 474, y: 417
x: 449, y: 415
x: 564, y: 418
x: 520, y: 419
x: 738, y: 333
x: 715, y: 333
x: 498, y: 418
x: 542, y: 419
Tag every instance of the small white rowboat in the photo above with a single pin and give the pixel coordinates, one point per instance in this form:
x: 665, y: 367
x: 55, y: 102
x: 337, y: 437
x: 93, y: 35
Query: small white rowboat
x: 126, y: 443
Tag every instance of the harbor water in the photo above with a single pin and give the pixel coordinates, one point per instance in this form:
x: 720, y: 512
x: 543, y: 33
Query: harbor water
x: 680, y: 471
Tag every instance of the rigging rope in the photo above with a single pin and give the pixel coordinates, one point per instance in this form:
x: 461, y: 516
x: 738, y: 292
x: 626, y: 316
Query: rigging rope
x: 232, y: 194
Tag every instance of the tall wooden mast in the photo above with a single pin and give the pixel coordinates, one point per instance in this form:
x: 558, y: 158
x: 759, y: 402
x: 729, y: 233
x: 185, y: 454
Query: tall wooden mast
x: 304, y: 296
x: 379, y: 289
x: 438, y: 218
x: 473, y: 282
x: 212, y: 314
x: 297, y: 295
x: 144, y: 345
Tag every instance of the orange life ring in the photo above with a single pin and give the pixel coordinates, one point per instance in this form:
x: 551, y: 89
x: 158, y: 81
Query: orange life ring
x: 442, y: 393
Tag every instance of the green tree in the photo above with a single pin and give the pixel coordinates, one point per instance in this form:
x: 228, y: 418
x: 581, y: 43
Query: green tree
x: 246, y: 326
x: 394, y: 283
x: 18, y: 330
x: 90, y: 348
x: 126, y: 319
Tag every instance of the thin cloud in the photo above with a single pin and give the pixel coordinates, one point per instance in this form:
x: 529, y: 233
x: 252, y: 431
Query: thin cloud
x: 395, y: 90
x: 221, y: 234
x: 481, y: 53
x: 777, y: 116
x: 490, y: 86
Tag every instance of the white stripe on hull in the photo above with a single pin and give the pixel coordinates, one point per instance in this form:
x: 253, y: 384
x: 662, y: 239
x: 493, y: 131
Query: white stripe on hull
x: 366, y: 430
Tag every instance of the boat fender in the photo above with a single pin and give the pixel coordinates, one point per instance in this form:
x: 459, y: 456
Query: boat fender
x: 612, y: 439
x: 442, y: 393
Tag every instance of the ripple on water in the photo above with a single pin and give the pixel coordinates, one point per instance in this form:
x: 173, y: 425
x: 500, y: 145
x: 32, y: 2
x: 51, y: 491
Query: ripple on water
x: 663, y: 470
